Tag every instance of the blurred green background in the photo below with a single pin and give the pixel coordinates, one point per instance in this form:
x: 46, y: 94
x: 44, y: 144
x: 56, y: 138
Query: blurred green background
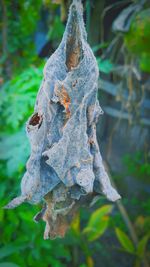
x: 108, y: 234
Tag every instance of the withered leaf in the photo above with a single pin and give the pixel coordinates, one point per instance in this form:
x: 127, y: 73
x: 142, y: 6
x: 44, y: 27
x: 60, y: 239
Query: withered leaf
x: 65, y: 168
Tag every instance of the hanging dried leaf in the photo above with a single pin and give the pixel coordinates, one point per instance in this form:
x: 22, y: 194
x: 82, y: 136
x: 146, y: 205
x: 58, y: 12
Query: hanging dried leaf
x: 65, y: 167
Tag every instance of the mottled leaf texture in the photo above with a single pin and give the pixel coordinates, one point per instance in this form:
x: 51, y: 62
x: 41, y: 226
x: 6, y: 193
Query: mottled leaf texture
x: 65, y: 167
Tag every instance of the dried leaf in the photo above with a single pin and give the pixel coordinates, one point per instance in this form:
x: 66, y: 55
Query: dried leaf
x: 65, y: 166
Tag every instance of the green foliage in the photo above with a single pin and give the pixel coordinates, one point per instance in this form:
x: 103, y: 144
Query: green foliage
x: 105, y: 65
x: 16, y: 233
x: 125, y: 241
x: 138, y: 38
x: 138, y: 166
x: 8, y: 250
x: 14, y: 150
x: 98, y: 223
x: 56, y: 30
x: 144, y: 60
x: 8, y: 264
x: 16, y: 105
x: 22, y: 17
x: 99, y: 46
x: 141, y: 248
x: 17, y: 97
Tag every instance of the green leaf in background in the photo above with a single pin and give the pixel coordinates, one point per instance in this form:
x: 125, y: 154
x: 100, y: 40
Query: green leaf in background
x: 142, y: 245
x: 21, y: 28
x: 98, y: 223
x: 137, y: 39
x: 145, y: 62
x: 105, y: 65
x: 2, y: 192
x: 17, y: 97
x: 10, y: 249
x: 93, y: 233
x: 125, y: 241
x: 56, y: 30
x: 15, y: 150
x: 75, y: 225
x: 99, y: 213
x: 8, y: 264
x: 99, y: 46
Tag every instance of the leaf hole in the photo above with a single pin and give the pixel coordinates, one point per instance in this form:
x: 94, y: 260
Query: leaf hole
x: 36, y: 119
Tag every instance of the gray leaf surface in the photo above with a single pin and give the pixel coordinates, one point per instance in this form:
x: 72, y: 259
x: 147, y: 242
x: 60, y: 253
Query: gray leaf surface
x: 65, y: 165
